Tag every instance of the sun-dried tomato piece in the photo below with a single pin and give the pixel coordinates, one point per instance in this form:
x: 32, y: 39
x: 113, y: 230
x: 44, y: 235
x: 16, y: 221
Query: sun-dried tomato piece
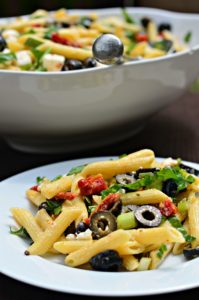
x: 65, y: 196
x: 92, y: 185
x: 55, y: 37
x: 167, y: 208
x: 34, y: 188
x: 108, y: 202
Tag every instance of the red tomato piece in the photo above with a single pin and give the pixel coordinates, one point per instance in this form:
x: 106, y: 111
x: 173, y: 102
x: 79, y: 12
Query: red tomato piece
x: 65, y: 196
x: 108, y: 202
x: 34, y: 188
x: 55, y: 37
x: 92, y: 185
x: 87, y: 221
x: 141, y: 37
x: 168, y: 208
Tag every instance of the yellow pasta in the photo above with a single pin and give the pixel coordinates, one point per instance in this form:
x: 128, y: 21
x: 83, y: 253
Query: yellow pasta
x: 66, y: 247
x: 143, y: 197
x: 35, y: 197
x: 130, y: 262
x: 49, y: 190
x: 193, y: 215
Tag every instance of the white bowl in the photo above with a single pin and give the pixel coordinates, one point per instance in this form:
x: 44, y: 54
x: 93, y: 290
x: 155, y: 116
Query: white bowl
x: 69, y: 111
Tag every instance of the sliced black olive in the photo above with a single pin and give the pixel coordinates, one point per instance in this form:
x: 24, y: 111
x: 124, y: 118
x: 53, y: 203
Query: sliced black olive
x: 108, y: 261
x: 102, y: 223
x: 3, y: 44
x: 71, y: 229
x: 170, y: 188
x: 164, y: 26
x: 43, y: 205
x: 81, y: 227
x: 125, y: 178
x: 142, y: 170
x: 116, y: 208
x: 145, y: 21
x: 189, y: 169
x: 128, y: 208
x: 73, y: 64
x: 148, y: 215
x: 191, y: 253
x: 65, y: 24
x: 90, y: 62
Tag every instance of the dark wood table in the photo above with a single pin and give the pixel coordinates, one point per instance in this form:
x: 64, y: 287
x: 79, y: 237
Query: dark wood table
x: 173, y: 132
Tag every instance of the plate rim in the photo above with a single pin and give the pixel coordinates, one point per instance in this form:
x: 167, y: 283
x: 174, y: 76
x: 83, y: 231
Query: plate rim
x: 25, y: 279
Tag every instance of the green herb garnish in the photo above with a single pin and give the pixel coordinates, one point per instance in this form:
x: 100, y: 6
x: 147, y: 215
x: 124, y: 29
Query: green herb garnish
x: 161, y: 250
x: 39, y: 179
x: 21, y: 232
x: 177, y: 224
x: 164, y: 45
x: 91, y: 208
x: 76, y: 170
x: 127, y: 17
x: 50, y: 31
x: 122, y: 155
x: 31, y: 31
x: 187, y: 37
x: 6, y: 57
x: 57, y: 177
x: 33, y: 43
x: 54, y: 207
x: 37, y: 66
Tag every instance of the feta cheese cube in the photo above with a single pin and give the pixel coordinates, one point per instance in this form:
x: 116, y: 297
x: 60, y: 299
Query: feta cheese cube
x: 53, y: 62
x: 10, y: 33
x: 23, y: 58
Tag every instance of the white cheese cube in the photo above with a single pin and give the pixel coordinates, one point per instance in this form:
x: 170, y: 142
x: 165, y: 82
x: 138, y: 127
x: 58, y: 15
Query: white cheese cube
x: 53, y: 62
x: 10, y: 33
x: 23, y: 58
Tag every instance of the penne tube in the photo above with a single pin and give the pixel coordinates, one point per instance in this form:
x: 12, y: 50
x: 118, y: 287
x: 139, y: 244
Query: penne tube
x: 35, y: 197
x: 79, y: 204
x: 156, y: 260
x: 66, y: 247
x: 156, y: 235
x: 51, y: 189
x: 111, y: 241
x: 130, y: 248
x: 130, y: 262
x: 108, y: 169
x: 43, y: 219
x: 152, y: 31
x: 24, y: 218
x: 150, y: 196
x: 52, y: 233
x: 193, y: 217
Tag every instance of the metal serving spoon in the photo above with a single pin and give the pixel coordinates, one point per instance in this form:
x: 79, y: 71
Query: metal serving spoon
x: 108, y: 49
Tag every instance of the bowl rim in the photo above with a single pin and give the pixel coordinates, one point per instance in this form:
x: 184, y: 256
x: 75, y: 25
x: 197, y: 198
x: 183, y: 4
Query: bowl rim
x: 106, y: 11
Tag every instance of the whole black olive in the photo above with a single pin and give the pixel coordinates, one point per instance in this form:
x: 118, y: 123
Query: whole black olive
x: 125, y: 178
x: 145, y: 21
x: 43, y: 205
x: 65, y: 24
x: 102, y: 223
x: 142, y: 170
x: 108, y: 261
x: 81, y: 227
x: 148, y: 215
x: 191, y: 253
x: 90, y: 62
x: 164, y: 26
x: 73, y: 64
x: 189, y: 169
x: 170, y: 188
x: 3, y: 44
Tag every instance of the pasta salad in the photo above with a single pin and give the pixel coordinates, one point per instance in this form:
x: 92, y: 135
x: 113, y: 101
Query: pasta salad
x: 127, y: 213
x: 60, y: 41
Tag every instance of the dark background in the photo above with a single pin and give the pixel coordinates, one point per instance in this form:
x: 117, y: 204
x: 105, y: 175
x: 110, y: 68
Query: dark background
x: 18, y: 7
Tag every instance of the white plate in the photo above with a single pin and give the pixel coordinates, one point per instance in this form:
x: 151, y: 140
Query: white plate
x: 175, y: 274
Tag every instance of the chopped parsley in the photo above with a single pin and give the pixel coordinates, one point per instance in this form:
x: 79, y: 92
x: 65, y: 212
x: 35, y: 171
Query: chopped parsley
x: 76, y: 170
x: 21, y: 232
x: 50, y: 31
x: 54, y: 207
x: 177, y: 224
x: 161, y: 250
x: 187, y: 37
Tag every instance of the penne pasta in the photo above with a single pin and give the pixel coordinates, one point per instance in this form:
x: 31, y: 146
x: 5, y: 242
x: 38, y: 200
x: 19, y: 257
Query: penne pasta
x: 143, y: 197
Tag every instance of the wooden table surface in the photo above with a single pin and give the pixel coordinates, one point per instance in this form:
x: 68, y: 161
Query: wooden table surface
x: 173, y: 132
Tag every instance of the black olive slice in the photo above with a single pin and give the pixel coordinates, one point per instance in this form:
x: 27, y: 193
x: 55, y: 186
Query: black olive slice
x: 191, y: 253
x: 148, y: 215
x: 108, y: 260
x: 116, y: 208
x: 125, y: 178
x: 147, y: 170
x: 102, y: 223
